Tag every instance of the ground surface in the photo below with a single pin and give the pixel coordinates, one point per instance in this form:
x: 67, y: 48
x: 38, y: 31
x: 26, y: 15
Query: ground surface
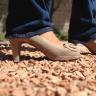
x: 35, y: 75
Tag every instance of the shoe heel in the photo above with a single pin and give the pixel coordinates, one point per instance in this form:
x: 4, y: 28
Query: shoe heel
x: 15, y: 46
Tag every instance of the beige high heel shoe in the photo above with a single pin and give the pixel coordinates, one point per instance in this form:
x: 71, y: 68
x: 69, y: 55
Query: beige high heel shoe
x: 53, y: 52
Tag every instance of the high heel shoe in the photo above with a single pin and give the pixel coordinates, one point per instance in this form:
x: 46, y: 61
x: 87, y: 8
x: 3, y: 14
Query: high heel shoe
x: 91, y: 45
x: 52, y: 51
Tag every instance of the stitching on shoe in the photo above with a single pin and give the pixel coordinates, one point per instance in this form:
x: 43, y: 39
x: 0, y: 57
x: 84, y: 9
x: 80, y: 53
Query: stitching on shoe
x: 70, y: 46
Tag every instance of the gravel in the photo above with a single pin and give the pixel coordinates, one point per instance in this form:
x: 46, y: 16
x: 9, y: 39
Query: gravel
x: 35, y: 75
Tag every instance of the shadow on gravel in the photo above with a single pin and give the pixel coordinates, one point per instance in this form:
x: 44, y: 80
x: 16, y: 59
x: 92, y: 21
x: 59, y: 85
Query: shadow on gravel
x: 10, y: 58
x: 22, y: 48
x: 4, y: 57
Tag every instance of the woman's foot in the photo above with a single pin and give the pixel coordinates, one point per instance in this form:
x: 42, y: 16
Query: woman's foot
x: 51, y: 37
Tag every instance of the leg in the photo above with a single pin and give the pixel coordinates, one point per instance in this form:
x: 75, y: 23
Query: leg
x: 27, y: 18
x: 83, y: 23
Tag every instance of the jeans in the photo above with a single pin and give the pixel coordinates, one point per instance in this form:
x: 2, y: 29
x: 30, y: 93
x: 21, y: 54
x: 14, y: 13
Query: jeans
x: 27, y: 18
x: 83, y: 21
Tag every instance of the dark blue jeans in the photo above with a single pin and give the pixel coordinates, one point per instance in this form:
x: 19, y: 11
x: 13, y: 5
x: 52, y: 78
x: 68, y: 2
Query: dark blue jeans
x: 27, y: 18
x: 83, y: 21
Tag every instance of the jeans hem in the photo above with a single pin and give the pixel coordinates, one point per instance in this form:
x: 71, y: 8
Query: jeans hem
x: 29, y: 34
